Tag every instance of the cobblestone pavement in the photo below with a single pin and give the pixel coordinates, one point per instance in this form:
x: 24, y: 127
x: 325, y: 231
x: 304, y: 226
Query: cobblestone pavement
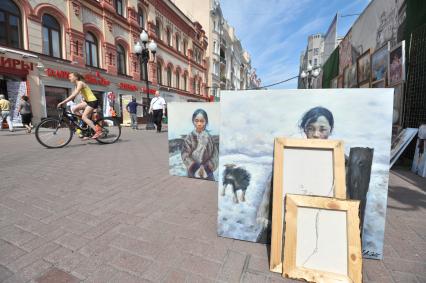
x: 111, y: 213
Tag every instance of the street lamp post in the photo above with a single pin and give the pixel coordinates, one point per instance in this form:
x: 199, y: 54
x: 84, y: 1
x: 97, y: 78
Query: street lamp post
x: 142, y: 51
x: 308, y: 75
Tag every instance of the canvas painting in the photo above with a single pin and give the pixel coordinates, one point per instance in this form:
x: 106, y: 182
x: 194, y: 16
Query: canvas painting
x: 247, y: 145
x: 340, y: 81
x: 398, y: 103
x: 364, y: 68
x: 419, y: 160
x: 379, y: 63
x: 333, y: 83
x: 397, y: 64
x: 194, y: 139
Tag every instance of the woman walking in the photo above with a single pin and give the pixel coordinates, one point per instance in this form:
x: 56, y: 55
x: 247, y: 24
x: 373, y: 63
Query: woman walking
x: 25, y: 112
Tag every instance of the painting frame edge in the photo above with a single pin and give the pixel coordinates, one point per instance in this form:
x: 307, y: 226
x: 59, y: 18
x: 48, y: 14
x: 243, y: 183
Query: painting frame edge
x: 368, y: 52
x: 402, y: 45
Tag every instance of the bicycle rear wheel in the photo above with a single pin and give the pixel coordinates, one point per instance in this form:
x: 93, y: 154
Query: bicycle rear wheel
x: 53, y: 133
x: 111, y: 130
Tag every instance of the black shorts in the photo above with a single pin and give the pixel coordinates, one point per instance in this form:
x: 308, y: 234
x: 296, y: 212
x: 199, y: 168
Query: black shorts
x: 26, y: 118
x: 93, y: 104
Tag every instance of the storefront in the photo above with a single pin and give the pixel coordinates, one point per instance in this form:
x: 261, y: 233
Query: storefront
x: 19, y: 77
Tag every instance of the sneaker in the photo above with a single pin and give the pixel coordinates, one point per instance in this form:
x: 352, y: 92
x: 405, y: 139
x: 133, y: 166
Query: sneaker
x: 97, y: 135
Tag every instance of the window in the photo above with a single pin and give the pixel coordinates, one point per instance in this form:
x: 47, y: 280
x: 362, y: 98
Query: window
x: 177, y: 42
x: 51, y: 36
x: 193, y: 85
x: 169, y: 76
x: 315, y: 61
x: 10, y: 24
x: 199, y: 88
x: 141, y: 19
x: 177, y: 80
x: 158, y: 28
x: 169, y: 37
x: 185, y: 45
x: 121, y: 60
x: 119, y: 7
x: 159, y: 75
x: 91, y: 50
x: 185, y: 82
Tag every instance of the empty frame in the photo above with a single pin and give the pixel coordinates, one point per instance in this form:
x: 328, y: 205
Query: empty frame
x: 303, y: 167
x: 322, y: 239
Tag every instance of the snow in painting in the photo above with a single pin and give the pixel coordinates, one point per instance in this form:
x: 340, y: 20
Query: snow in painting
x: 180, y: 125
x: 252, y: 119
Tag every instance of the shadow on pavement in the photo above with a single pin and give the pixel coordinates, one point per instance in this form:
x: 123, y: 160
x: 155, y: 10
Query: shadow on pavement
x: 413, y: 200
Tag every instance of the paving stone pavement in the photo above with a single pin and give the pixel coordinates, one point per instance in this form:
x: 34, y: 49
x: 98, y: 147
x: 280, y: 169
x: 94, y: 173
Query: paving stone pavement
x: 111, y: 213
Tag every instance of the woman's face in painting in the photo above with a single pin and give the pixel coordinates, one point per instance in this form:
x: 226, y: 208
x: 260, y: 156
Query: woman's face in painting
x: 199, y: 123
x: 320, y: 129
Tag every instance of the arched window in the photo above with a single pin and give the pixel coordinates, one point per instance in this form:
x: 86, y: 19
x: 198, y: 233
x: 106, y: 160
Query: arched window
x: 185, y: 82
x: 158, y: 28
x: 141, y: 18
x: 51, y: 36
x: 199, y: 87
x: 121, y: 60
x: 10, y: 24
x: 177, y: 80
x: 169, y: 37
x: 177, y: 42
x: 169, y: 76
x: 91, y: 50
x: 159, y: 75
x: 119, y: 7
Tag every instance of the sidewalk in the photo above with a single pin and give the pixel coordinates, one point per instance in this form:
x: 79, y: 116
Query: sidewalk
x: 96, y: 213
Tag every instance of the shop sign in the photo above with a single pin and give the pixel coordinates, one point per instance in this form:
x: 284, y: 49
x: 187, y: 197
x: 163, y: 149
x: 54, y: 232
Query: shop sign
x: 15, y: 64
x: 96, y: 79
x: 126, y: 86
x: 151, y: 90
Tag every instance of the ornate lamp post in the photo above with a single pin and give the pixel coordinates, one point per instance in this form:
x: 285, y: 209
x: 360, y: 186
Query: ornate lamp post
x: 142, y: 51
x: 308, y: 75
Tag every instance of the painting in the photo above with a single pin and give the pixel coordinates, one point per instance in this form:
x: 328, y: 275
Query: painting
x: 400, y: 143
x: 352, y: 76
x: 322, y: 240
x: 303, y: 167
x: 398, y: 99
x: 379, y: 63
x: 379, y: 84
x: 419, y: 160
x: 194, y: 139
x: 397, y: 64
x: 346, y: 80
x: 364, y: 68
x: 333, y: 83
x: 247, y: 149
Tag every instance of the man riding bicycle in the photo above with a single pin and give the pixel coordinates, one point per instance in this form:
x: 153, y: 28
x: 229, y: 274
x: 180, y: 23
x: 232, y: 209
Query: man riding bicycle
x: 89, y: 104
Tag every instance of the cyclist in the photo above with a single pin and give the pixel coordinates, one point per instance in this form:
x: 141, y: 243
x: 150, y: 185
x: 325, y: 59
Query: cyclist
x: 89, y: 104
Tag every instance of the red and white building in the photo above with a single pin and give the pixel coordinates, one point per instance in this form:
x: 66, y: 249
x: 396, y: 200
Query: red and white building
x: 46, y: 40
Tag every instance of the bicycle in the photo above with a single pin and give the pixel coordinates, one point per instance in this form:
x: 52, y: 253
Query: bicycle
x: 57, y: 133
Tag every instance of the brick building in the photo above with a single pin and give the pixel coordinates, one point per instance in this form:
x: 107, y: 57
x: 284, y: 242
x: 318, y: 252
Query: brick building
x: 42, y: 41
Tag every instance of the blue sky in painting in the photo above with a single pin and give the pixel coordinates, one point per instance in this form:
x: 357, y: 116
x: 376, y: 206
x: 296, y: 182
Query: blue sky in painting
x: 275, y: 32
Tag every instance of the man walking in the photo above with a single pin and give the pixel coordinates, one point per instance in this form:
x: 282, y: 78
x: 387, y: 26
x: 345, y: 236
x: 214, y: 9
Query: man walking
x: 158, y: 108
x: 5, y: 112
x: 132, y: 109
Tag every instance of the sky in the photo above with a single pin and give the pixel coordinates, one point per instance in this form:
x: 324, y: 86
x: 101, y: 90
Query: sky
x: 275, y: 32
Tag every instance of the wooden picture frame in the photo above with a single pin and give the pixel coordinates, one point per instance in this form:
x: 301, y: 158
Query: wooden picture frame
x: 396, y: 64
x: 307, y: 156
x: 322, y: 239
x: 379, y: 84
x: 363, y: 63
x: 365, y: 85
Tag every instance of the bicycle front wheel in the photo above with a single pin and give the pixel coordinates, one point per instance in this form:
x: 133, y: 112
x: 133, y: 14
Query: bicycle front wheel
x: 53, y: 133
x: 111, y: 130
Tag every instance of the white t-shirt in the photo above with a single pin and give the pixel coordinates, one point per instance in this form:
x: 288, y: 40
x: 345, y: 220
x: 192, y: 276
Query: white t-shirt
x: 157, y: 103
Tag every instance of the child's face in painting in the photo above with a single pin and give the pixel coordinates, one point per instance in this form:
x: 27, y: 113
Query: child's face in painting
x: 320, y: 129
x: 199, y: 123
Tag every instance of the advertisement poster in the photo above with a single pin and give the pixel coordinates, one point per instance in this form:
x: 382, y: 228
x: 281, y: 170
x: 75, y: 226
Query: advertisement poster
x: 109, y: 105
x: 15, y: 90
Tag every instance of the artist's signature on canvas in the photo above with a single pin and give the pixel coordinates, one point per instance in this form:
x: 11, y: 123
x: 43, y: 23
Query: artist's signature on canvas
x: 370, y: 253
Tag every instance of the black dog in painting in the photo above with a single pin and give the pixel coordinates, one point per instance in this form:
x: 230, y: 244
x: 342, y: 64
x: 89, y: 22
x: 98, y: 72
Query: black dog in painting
x: 236, y: 177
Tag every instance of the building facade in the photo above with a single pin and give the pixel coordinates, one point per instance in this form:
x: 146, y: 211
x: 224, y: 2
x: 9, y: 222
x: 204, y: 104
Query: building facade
x: 46, y: 40
x: 229, y: 65
x: 313, y: 55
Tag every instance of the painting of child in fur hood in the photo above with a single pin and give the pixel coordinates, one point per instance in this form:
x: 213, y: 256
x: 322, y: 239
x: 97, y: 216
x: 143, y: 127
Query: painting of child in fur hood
x: 199, y: 152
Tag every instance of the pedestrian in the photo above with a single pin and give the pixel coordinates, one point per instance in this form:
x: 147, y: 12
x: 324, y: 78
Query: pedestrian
x: 25, y: 111
x: 132, y: 109
x: 158, y: 109
x: 5, y: 112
